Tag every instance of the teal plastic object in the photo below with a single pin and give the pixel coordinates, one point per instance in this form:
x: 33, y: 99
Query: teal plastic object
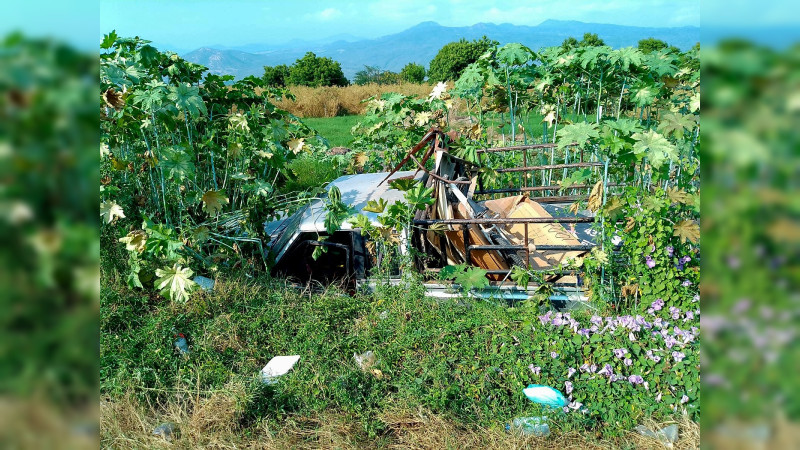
x: 545, y: 395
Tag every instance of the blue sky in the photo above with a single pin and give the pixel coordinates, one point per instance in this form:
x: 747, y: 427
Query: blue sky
x: 182, y: 25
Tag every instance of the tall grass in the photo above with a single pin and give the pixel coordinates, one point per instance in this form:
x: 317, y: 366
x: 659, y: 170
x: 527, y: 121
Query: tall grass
x: 332, y: 101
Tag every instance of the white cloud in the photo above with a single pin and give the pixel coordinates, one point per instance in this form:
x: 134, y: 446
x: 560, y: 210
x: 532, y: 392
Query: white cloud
x: 329, y: 14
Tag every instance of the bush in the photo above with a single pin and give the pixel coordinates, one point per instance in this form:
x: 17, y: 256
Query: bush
x: 454, y: 57
x: 311, y: 70
x: 413, y: 73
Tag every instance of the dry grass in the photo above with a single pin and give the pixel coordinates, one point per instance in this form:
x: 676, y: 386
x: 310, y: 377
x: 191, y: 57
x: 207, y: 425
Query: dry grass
x: 32, y: 424
x: 337, y: 101
x: 212, y: 422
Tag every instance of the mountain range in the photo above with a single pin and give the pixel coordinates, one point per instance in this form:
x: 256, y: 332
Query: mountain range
x: 420, y: 43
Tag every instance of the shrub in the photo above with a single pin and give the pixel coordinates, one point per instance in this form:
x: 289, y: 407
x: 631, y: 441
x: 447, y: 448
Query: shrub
x: 413, y: 73
x: 312, y: 70
x: 454, y: 57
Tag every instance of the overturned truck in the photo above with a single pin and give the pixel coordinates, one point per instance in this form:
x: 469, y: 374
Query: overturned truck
x: 468, y: 222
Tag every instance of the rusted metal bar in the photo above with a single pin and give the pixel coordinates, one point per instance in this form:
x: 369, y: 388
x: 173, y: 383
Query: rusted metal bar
x: 504, y: 221
x: 515, y: 148
x: 496, y: 247
x: 536, y: 188
x: 561, y: 199
x: 538, y: 247
x: 527, y: 248
x: 565, y: 247
x: 561, y: 273
x: 549, y: 166
x: 465, y: 230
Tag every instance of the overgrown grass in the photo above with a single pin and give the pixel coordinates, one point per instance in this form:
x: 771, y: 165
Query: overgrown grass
x: 462, y: 363
x: 332, y: 101
x: 335, y: 129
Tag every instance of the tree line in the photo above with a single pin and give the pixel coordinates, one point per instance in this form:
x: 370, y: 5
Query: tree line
x: 447, y: 65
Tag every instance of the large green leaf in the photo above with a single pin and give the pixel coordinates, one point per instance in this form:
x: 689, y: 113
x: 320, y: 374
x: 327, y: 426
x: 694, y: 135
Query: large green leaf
x: 175, y: 282
x: 109, y: 40
x: 515, y: 54
x: 213, y: 201
x: 470, y: 83
x: 626, y: 57
x: 177, y: 163
x: 656, y: 147
x: 661, y: 63
x: 577, y: 133
x: 676, y: 124
x: 187, y: 98
x: 644, y: 94
x: 149, y: 56
x: 150, y: 99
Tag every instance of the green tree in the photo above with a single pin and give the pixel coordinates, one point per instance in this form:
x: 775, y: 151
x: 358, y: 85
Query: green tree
x: 276, y: 76
x: 413, y: 73
x: 651, y: 44
x: 591, y: 40
x: 373, y: 74
x: 454, y: 57
x: 389, y: 77
x: 370, y: 74
x: 570, y: 43
x: 311, y: 70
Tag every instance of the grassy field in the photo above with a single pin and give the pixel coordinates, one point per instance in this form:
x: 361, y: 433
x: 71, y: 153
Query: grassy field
x: 335, y: 129
x: 446, y: 374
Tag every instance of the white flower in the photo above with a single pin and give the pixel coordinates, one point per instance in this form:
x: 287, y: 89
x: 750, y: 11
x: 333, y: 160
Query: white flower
x: 437, y: 91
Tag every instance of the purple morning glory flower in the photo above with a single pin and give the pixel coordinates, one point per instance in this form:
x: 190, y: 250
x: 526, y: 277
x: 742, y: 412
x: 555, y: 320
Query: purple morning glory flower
x: 583, y: 332
x: 536, y: 370
x: 636, y: 379
x: 568, y: 387
x: 684, y: 399
x: 678, y: 356
x: 652, y: 248
x: 628, y: 362
x: 653, y: 356
x: 620, y: 352
x: 657, y: 304
x: 670, y: 251
x: 571, y: 372
x: 606, y: 370
x: 596, y: 320
x: 689, y: 316
x: 649, y: 262
x: 686, y: 259
x: 553, y: 355
x: 669, y: 341
x: 686, y: 283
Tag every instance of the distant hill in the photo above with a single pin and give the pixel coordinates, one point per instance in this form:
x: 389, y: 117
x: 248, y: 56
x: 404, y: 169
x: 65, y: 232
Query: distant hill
x: 420, y: 44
